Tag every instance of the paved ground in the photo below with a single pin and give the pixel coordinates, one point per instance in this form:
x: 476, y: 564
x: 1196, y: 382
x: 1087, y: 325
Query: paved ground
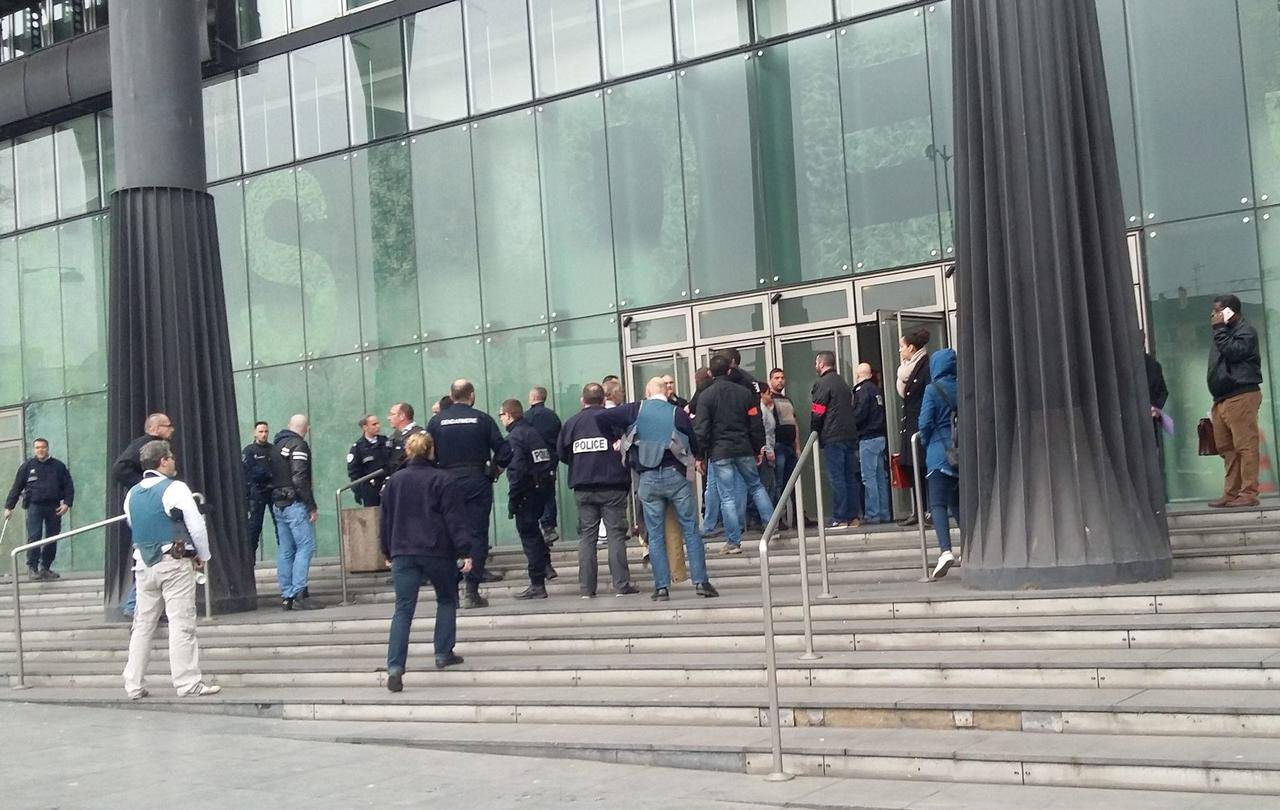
x: 65, y: 758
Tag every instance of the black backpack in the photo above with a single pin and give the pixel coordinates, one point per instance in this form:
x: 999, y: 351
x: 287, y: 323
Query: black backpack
x: 953, y: 451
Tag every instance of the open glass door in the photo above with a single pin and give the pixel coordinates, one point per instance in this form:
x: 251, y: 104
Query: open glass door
x: 893, y: 325
x: 679, y: 364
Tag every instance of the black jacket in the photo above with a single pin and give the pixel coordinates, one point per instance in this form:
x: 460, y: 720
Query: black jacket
x: 831, y: 414
x: 728, y: 424
x: 548, y: 425
x: 1156, y: 387
x: 911, y: 402
x: 868, y: 410
x: 586, y: 445
x: 423, y: 512
x: 621, y: 418
x: 367, y: 456
x: 735, y: 375
x: 256, y: 459
x: 531, y: 467
x: 291, y: 471
x: 1235, y: 366
x: 42, y: 482
x: 127, y: 468
x: 395, y: 447
x: 467, y: 440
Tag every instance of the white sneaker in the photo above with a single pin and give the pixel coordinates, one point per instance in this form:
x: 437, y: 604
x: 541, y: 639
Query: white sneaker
x: 945, y: 561
x: 203, y: 690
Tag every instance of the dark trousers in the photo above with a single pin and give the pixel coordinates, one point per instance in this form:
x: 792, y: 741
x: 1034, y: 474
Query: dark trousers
x: 42, y: 517
x: 536, y: 552
x: 944, y: 504
x: 845, y: 474
x: 594, y: 506
x: 478, y: 492
x: 409, y: 571
x: 259, y: 505
x: 549, y: 519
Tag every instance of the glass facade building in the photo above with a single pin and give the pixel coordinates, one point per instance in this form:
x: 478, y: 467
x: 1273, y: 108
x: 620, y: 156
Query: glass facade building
x: 546, y: 192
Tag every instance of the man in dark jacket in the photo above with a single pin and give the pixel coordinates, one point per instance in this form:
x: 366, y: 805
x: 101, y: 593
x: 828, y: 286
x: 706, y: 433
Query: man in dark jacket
x: 127, y: 472
x: 1235, y: 382
x: 256, y: 460
x: 547, y: 423
x: 600, y: 484
x: 831, y: 417
x: 294, y: 508
x: 530, y: 480
x: 400, y: 417
x: 731, y: 434
x: 869, y: 421
x: 371, y: 453
x: 47, y: 492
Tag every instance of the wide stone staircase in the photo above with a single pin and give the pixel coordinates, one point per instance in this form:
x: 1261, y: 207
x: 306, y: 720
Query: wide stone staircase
x: 1164, y: 686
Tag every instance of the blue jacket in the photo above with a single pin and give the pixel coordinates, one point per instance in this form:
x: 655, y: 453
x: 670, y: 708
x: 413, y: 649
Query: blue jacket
x: 935, y: 413
x: 424, y: 512
x: 586, y: 446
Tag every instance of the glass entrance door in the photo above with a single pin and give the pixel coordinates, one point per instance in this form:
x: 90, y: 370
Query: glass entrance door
x: 893, y: 326
x: 755, y: 358
x: 679, y: 364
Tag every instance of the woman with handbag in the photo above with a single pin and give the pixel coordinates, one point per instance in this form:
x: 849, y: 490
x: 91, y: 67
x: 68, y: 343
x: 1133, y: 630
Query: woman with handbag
x: 937, y: 434
x: 913, y: 378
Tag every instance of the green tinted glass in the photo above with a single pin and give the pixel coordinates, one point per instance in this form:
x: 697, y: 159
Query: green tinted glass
x: 86, y: 459
x: 266, y: 121
x: 515, y: 361
x: 47, y: 420
x: 42, y: 360
x: 221, y: 128
x: 375, y: 77
x: 509, y: 219
x: 33, y: 161
x: 637, y: 35
x: 328, y: 250
x: 243, y: 381
x: 707, y: 26
x: 84, y: 304
x: 777, y: 17
x: 335, y: 389
x: 76, y: 150
x: 275, y: 277
x: 319, y: 99
x: 444, y: 361
x: 575, y: 195
x: 942, y: 155
x: 10, y: 326
x: 304, y: 13
x: 566, y: 45
x: 228, y: 203
x: 647, y: 192
x: 1115, y: 56
x: 1260, y: 39
x: 498, y: 53
x: 385, y: 252
x: 394, y: 375
x: 8, y: 200
x: 1269, y: 249
x: 279, y: 393
x: 437, y: 66
x: 856, y: 8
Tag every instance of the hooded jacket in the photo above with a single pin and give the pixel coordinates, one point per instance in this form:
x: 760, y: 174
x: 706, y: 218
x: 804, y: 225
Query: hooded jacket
x: 935, y: 412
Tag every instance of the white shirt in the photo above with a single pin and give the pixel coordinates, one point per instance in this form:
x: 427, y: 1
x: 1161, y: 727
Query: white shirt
x: 179, y: 496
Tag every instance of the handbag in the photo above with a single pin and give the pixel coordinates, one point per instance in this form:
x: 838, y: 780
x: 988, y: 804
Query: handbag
x: 899, y: 476
x: 1204, y: 431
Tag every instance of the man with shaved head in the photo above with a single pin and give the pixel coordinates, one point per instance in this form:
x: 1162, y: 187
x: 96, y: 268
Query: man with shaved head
x: 470, y: 447
x: 293, y: 503
x: 868, y: 418
x: 127, y: 471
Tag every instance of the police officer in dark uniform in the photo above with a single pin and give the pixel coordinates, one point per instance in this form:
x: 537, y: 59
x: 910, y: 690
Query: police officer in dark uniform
x: 531, y: 480
x: 547, y: 423
x: 47, y: 493
x: 256, y: 458
x: 400, y: 418
x: 369, y: 454
x: 470, y: 446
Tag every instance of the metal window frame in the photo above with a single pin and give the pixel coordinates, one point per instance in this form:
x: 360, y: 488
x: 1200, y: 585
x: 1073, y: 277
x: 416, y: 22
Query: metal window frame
x: 860, y: 285
x: 630, y: 351
x: 736, y: 337
x: 803, y: 292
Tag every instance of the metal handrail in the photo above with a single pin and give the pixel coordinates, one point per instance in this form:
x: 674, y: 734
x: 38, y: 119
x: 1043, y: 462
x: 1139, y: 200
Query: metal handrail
x: 919, y: 498
x: 822, y: 527
x: 337, y: 514
x: 770, y: 649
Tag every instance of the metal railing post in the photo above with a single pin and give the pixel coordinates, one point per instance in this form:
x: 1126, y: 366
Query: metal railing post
x: 806, y: 606
x: 822, y: 524
x: 771, y: 667
x: 342, y: 543
x: 919, y: 497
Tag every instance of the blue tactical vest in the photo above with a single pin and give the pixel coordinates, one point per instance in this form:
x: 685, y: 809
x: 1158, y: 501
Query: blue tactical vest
x: 654, y: 434
x: 151, y: 525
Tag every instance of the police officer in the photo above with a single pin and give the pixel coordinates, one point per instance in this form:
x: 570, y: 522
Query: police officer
x: 370, y: 453
x: 531, y: 481
x: 294, y: 505
x: 47, y: 493
x: 400, y: 417
x: 256, y: 458
x: 547, y: 423
x: 469, y: 445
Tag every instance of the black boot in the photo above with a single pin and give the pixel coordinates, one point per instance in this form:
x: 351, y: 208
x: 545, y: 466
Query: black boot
x: 534, y: 591
x: 49, y: 573
x: 473, y: 599
x: 551, y: 572
x: 706, y: 590
x: 33, y: 573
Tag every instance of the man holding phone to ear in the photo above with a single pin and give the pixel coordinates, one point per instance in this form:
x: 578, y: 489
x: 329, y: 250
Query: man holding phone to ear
x: 1235, y: 381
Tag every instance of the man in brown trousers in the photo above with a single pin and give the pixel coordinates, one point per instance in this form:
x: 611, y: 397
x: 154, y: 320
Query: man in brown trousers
x: 1235, y: 381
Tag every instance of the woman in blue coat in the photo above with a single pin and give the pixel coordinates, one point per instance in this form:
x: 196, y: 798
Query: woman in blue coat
x: 936, y: 413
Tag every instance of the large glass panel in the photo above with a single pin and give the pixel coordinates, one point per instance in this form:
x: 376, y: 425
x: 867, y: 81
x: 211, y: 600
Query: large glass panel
x: 48, y: 420
x: 856, y: 8
x: 566, y: 45
x: 1193, y: 143
x: 514, y: 361
x: 84, y: 304
x: 444, y: 212
x: 447, y: 360
x: 888, y: 141
x: 36, y: 180
x: 647, y: 192
x: 275, y: 276
x: 319, y: 99
x: 497, y: 53
x: 280, y: 392
x: 228, y: 204
x: 707, y: 26
x: 262, y: 19
x: 509, y: 219
x: 385, y: 254
x: 777, y: 17
x: 1269, y: 245
x: 395, y: 375
x: 221, y: 128
x: 1260, y: 38
x: 648, y: 332
x: 42, y: 361
x: 86, y: 457
x: 1188, y: 263
x: 266, y: 122
x: 730, y: 320
x: 375, y: 75
x: 8, y: 200
x: 107, y: 152
x: 942, y: 150
x: 243, y: 381
x: 901, y: 294
x: 437, y: 66
x: 10, y: 325
x: 1115, y: 57
x: 335, y: 394
x: 575, y: 205
x: 637, y: 35
x: 802, y: 161
x: 815, y: 308
x: 61, y: 22
x: 306, y: 13
x: 76, y: 148
x: 327, y: 242
x: 719, y: 179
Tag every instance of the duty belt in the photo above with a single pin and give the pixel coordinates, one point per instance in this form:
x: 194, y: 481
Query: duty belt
x: 462, y: 470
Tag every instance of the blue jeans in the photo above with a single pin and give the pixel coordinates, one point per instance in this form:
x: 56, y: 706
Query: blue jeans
x: 657, y: 489
x: 875, y: 479
x: 130, y: 604
x: 711, y: 508
x: 733, y: 503
x: 783, y: 465
x: 409, y: 571
x: 944, y: 504
x: 846, y: 481
x: 296, y: 545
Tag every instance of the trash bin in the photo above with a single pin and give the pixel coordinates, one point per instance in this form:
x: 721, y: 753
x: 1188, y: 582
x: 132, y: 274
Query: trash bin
x: 360, y: 540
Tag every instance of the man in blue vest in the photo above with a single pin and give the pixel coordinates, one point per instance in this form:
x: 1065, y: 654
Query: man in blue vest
x: 660, y: 445
x: 170, y: 544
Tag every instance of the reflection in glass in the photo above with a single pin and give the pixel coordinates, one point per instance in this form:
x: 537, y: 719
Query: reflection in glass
x: 38, y: 268
x: 777, y: 17
x: 306, y: 13
x: 813, y: 308
x: 48, y: 420
x: 938, y: 31
x: 243, y: 381
x: 566, y: 46
x: 891, y: 296
x: 856, y: 8
x: 735, y: 320
x: 86, y: 457
x: 514, y: 361
x: 10, y: 325
x: 395, y: 375
x: 707, y: 26
x: 327, y: 247
x: 444, y: 361
x: 280, y: 392
x: 335, y: 401
x: 271, y: 236
x: 375, y: 75
x: 637, y: 35
x: 228, y: 203
x: 76, y: 150
x: 8, y: 200
x: 261, y: 19
x: 1260, y: 40
x: 1115, y: 56
x: 497, y: 53
x: 649, y: 332
x: 1268, y: 221
x: 221, y: 128
x: 84, y: 304
x: 437, y: 66
x: 266, y: 123
x: 319, y: 99
x: 385, y: 255
x: 33, y: 161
